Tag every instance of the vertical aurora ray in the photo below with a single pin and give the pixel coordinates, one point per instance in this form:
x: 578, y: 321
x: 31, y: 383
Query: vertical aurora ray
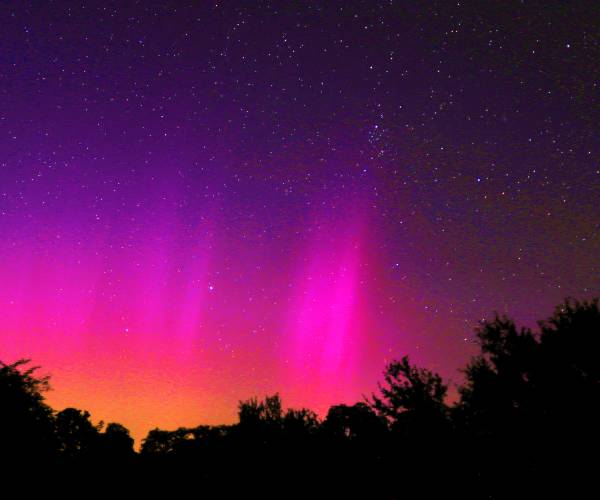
x: 324, y: 320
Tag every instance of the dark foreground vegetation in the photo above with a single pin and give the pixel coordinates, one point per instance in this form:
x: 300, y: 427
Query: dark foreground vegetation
x: 526, y: 423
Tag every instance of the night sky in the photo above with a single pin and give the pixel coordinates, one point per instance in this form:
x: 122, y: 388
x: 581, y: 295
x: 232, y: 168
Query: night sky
x: 202, y: 202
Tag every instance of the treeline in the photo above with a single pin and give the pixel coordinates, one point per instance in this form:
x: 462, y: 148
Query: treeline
x: 527, y: 418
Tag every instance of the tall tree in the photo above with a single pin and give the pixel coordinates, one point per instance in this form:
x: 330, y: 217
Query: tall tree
x: 411, y: 399
x: 529, y: 404
x: 116, y: 443
x: 26, y: 421
x: 78, y: 437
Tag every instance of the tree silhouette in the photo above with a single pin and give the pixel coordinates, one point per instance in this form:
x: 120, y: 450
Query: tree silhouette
x: 412, y: 399
x: 569, y: 347
x: 26, y: 421
x: 412, y: 402
x: 78, y: 437
x: 261, y: 421
x: 530, y: 400
x: 356, y: 422
x: 516, y: 379
x: 252, y: 412
x: 116, y: 443
x: 498, y: 381
x: 529, y: 408
x: 158, y: 442
x: 300, y: 424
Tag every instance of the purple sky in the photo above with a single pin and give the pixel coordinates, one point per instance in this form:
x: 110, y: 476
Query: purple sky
x: 200, y: 202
